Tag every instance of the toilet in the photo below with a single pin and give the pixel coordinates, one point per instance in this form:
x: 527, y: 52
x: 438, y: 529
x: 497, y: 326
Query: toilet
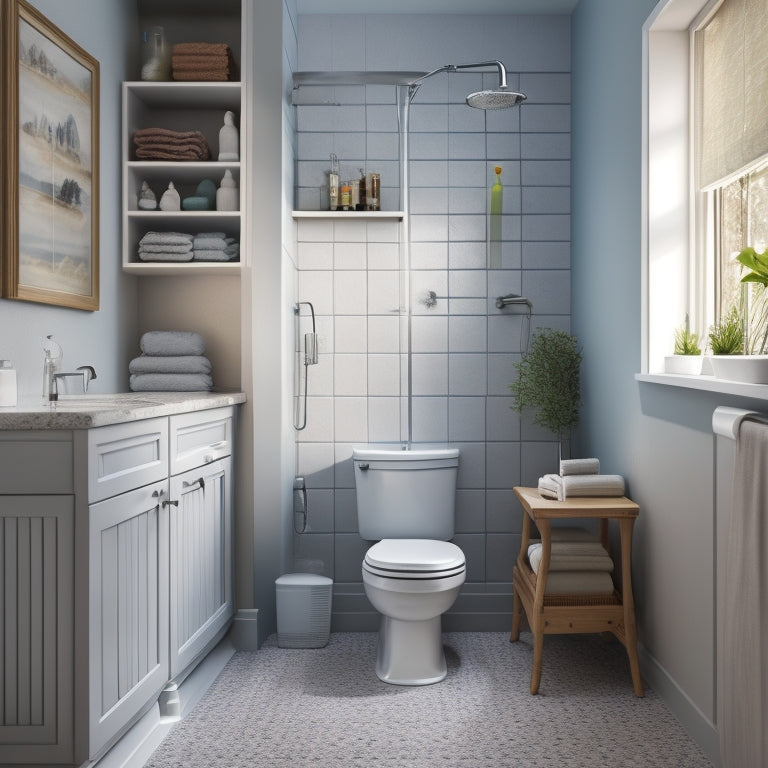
x: 406, y: 502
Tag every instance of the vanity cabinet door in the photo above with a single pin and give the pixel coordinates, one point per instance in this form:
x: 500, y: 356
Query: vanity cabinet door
x: 128, y: 602
x: 36, y: 629
x: 201, y: 561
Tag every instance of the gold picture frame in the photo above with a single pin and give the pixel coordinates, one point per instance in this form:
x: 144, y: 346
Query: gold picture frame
x: 50, y: 153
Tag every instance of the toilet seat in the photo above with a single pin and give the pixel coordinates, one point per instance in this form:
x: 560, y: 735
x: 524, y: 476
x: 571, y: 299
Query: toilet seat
x: 414, y: 559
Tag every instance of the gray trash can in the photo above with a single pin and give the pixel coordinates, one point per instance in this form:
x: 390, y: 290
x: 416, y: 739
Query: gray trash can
x: 303, y: 610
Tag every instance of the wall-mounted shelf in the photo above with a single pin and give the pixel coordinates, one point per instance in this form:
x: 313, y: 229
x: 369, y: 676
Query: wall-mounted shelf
x: 387, y: 215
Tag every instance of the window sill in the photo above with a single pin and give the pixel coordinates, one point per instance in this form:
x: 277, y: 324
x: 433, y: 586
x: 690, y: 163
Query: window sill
x: 706, y: 384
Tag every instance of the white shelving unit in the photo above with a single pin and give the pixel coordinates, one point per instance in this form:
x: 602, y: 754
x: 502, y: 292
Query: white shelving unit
x: 179, y: 106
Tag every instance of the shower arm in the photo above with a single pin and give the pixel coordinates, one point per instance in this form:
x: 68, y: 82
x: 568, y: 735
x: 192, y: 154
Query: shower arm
x: 413, y: 86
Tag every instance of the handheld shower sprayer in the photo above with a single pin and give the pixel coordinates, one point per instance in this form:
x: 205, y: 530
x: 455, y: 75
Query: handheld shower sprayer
x: 310, y: 356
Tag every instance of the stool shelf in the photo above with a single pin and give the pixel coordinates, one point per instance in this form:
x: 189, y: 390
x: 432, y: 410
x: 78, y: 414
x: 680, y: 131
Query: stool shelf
x: 577, y: 613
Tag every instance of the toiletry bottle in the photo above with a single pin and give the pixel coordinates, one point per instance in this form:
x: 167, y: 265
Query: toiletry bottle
x: 362, y: 201
x: 333, y: 183
x: 373, y: 190
x: 8, y: 390
x: 51, y: 363
x: 346, y: 196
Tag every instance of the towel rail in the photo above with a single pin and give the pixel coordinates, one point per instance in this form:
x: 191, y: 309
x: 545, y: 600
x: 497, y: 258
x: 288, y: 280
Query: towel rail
x: 727, y: 420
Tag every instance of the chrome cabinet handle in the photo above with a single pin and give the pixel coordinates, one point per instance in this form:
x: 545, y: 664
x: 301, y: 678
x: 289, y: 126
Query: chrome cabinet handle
x: 170, y: 503
x: 364, y: 467
x: 199, y: 483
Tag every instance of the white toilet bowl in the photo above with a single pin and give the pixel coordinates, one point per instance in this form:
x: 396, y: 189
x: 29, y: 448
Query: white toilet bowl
x: 412, y: 582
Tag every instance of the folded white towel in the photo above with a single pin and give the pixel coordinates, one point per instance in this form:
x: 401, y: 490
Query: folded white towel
x: 170, y: 364
x: 579, y: 467
x: 575, y: 486
x: 579, y: 583
x: 166, y: 238
x: 165, y: 248
x: 212, y: 243
x: 592, y: 485
x: 550, y: 486
x: 227, y: 254
x: 165, y: 255
x: 572, y: 556
x: 170, y: 382
x: 172, y: 343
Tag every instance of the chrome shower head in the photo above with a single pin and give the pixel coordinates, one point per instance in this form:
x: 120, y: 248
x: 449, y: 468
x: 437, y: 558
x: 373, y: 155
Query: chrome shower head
x: 498, y: 99
x: 501, y: 98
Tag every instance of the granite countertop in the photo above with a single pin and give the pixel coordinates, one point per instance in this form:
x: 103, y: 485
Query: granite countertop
x: 98, y: 410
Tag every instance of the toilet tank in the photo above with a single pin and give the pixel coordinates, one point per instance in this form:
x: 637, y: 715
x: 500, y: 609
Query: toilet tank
x: 406, y: 494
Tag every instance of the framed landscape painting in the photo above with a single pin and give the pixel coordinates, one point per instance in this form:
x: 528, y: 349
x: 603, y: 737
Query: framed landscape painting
x: 50, y: 243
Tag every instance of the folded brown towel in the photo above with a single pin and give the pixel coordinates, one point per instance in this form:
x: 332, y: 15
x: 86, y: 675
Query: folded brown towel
x: 200, y: 62
x: 165, y: 144
x: 156, y: 153
x: 200, y: 48
x: 213, y: 74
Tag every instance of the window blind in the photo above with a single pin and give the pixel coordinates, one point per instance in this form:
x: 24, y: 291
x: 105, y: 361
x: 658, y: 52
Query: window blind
x: 731, y: 103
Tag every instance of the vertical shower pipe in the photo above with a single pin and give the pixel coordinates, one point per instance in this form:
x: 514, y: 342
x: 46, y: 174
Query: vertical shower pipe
x: 403, y: 120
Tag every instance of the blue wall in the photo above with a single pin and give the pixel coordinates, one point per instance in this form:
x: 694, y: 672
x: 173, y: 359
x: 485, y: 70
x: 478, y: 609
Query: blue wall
x: 107, y: 29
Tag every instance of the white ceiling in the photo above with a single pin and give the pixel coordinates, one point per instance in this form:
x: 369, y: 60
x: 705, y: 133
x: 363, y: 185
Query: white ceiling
x: 515, y: 7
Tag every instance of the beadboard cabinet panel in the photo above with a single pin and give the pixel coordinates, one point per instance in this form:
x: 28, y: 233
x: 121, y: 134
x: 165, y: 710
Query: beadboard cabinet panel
x: 36, y: 629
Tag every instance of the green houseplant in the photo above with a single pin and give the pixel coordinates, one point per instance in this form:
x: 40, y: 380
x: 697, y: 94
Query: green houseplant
x: 727, y: 336
x: 686, y: 342
x: 549, y: 381
x: 687, y: 352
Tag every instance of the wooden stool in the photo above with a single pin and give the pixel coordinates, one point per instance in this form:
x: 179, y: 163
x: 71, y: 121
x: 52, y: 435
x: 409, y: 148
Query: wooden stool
x: 565, y: 614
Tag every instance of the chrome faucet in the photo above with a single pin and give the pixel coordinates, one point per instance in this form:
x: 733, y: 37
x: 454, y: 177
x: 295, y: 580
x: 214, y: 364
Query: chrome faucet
x: 85, y: 372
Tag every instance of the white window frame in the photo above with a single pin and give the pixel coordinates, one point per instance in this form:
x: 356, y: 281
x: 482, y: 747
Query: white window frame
x: 673, y: 283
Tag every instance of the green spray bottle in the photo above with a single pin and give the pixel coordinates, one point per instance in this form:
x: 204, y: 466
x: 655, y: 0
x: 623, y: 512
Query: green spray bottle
x: 497, y: 193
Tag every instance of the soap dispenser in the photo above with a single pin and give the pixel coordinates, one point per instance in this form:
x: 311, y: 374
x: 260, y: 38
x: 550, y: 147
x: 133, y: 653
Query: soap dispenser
x: 8, y: 389
x: 51, y: 363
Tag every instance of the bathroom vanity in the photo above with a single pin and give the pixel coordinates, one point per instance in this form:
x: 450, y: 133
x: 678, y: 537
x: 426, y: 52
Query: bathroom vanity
x: 115, y: 563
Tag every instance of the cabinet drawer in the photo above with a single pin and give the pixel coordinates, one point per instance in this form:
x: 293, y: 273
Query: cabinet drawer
x: 36, y: 462
x: 199, y: 438
x: 126, y: 456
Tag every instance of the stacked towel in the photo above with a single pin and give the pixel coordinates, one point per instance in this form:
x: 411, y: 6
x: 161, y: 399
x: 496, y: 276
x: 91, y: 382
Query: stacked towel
x: 171, y: 361
x: 165, y: 144
x: 578, y: 478
x: 166, y: 246
x: 579, y: 564
x: 202, y: 61
x: 215, y: 246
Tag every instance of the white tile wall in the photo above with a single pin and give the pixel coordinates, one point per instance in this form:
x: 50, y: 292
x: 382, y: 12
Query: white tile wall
x: 462, y: 349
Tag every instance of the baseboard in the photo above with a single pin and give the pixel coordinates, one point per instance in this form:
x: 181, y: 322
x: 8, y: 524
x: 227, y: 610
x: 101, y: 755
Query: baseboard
x: 698, y: 726
x: 244, y: 633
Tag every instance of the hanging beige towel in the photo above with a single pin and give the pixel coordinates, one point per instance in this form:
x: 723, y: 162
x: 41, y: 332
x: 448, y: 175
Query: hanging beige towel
x: 743, y: 647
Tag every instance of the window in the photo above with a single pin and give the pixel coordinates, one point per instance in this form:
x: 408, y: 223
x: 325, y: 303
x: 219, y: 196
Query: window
x: 731, y: 165
x: 706, y: 168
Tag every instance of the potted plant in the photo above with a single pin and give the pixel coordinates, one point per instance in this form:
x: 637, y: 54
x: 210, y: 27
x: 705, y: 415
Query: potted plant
x: 687, y: 353
x: 726, y: 339
x: 549, y: 381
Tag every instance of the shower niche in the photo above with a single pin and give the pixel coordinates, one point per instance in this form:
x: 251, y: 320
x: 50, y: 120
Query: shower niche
x: 353, y: 116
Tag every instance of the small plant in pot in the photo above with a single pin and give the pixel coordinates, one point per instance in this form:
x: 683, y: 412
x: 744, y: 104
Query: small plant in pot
x: 549, y: 381
x: 687, y: 353
x: 727, y: 336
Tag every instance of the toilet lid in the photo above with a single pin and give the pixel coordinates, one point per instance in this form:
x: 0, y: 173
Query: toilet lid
x: 415, y: 556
